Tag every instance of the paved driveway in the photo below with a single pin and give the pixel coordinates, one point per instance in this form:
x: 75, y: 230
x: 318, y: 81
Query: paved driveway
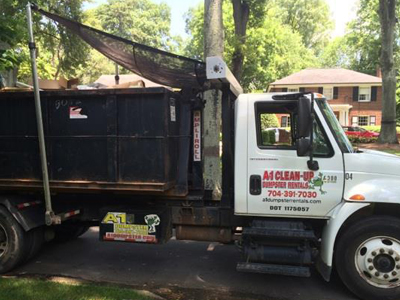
x: 189, y: 270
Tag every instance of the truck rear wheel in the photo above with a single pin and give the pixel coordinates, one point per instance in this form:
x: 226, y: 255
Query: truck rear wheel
x: 37, y: 236
x: 13, y: 242
x: 68, y: 232
x: 367, y: 258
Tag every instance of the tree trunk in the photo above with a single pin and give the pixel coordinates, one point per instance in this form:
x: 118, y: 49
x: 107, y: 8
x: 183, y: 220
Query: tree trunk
x: 213, y: 46
x: 213, y: 28
x: 387, y: 17
x: 241, y: 18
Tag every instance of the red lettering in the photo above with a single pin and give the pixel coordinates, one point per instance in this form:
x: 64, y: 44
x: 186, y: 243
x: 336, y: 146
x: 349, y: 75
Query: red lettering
x: 286, y: 177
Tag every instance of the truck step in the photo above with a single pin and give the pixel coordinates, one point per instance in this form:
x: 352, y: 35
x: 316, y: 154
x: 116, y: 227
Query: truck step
x: 279, y: 229
x: 285, y: 270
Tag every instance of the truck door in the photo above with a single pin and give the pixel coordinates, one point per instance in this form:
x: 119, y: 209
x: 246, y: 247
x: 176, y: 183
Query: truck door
x: 280, y: 182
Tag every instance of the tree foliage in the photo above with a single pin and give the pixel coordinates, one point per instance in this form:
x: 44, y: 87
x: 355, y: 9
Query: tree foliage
x: 310, y: 18
x: 244, y: 12
x: 359, y: 48
x: 363, y: 38
x: 336, y: 54
x: 63, y: 53
x: 141, y: 21
x: 272, y: 49
x: 60, y: 51
x: 269, y: 121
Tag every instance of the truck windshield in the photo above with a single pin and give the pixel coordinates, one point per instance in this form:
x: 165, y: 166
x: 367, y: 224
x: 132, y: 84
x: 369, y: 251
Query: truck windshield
x: 333, y: 122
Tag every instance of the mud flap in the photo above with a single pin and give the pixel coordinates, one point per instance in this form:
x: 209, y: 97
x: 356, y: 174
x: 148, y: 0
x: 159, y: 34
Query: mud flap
x: 136, y: 226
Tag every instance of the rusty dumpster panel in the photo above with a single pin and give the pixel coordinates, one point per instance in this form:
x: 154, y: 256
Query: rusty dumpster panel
x: 122, y: 139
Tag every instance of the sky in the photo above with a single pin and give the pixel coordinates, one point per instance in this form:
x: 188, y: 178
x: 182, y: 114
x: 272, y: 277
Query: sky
x: 342, y: 11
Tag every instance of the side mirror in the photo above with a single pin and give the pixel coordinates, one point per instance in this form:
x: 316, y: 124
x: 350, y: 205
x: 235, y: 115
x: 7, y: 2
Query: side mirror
x: 303, y: 147
x: 304, y: 118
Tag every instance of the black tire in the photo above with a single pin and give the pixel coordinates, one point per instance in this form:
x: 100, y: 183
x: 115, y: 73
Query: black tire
x: 361, y: 238
x: 37, y: 236
x: 68, y: 232
x: 16, y: 242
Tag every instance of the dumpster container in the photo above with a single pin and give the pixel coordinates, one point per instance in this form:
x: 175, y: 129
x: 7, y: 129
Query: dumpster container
x: 115, y: 139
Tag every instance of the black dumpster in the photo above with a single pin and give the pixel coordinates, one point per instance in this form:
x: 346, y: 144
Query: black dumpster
x: 117, y: 139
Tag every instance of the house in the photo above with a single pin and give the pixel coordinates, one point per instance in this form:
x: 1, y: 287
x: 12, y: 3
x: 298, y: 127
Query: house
x: 355, y: 98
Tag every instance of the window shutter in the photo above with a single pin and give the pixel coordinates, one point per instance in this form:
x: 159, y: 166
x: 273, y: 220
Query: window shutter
x: 284, y: 89
x: 321, y: 90
x: 355, y: 93
x: 335, y: 92
x: 354, y: 121
x: 302, y: 90
x: 372, y: 120
x: 374, y: 91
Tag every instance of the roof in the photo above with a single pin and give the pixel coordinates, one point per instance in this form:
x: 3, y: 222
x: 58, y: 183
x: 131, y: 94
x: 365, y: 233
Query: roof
x: 327, y: 76
x: 109, y: 80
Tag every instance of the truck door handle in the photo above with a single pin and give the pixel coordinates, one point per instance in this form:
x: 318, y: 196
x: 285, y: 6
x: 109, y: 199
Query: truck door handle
x: 255, y: 185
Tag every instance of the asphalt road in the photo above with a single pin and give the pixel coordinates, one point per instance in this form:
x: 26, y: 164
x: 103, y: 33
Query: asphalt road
x: 176, y: 270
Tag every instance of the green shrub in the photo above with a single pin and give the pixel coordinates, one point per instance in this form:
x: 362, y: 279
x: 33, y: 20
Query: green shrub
x: 376, y: 128
x: 373, y: 128
x: 268, y: 137
x: 361, y: 140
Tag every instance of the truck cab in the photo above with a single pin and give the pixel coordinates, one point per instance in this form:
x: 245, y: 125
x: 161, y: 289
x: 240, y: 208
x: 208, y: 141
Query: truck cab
x: 273, y: 179
x: 279, y: 182
x: 350, y: 194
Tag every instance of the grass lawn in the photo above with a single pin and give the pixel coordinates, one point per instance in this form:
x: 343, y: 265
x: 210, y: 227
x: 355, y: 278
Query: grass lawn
x: 393, y: 149
x: 37, y: 289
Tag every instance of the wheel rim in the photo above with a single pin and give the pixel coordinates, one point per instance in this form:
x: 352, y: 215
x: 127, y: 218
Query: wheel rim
x: 378, y: 261
x: 3, y: 241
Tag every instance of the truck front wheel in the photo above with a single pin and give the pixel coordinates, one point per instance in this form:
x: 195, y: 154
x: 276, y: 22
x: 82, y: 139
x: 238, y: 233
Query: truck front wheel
x: 13, y: 242
x: 367, y: 258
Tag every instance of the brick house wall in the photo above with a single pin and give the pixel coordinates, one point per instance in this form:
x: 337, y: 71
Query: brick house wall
x: 372, y: 109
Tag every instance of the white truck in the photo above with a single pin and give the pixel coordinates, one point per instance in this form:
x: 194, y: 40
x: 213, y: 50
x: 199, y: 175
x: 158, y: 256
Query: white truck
x: 349, y: 197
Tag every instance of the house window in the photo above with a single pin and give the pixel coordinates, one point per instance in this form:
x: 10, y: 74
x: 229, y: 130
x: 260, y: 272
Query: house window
x: 363, y: 121
x: 293, y: 90
x: 285, y: 121
x: 364, y: 94
x: 328, y: 93
x: 372, y: 120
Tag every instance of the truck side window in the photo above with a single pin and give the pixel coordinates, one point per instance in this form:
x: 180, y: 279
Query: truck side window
x: 321, y: 145
x: 276, y: 128
x: 275, y: 124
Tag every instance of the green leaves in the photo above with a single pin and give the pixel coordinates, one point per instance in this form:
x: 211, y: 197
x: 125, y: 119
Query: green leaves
x: 359, y: 49
x: 141, y: 21
x: 60, y: 52
x: 272, y: 50
x: 8, y: 59
x: 310, y: 18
